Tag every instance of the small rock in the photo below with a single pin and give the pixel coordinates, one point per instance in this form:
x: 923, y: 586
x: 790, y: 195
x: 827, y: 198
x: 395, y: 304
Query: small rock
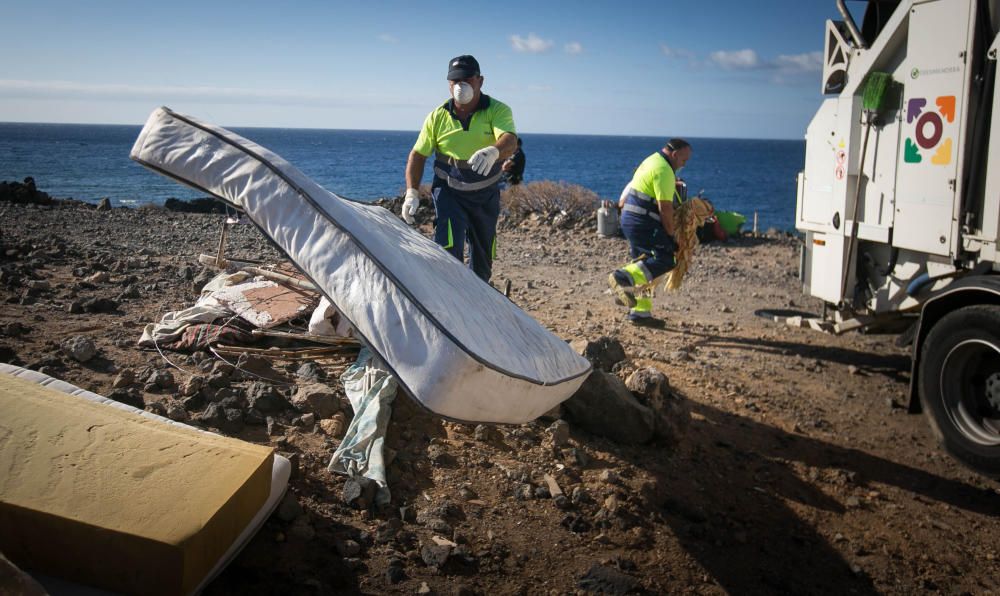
x: 347, y: 548
x: 254, y: 417
x: 192, y: 385
x: 193, y: 402
x: 99, y: 305
x: 435, y: 555
x: 233, y: 421
x: 579, y: 457
x: 130, y: 396
x: 317, y: 398
x: 395, y: 574
x: 38, y: 284
x: 310, y: 372
x: 482, y: 433
x: 124, y: 378
x: 161, y: 379
x: 335, y: 426
x: 265, y: 397
x: 218, y: 380
x: 606, y: 580
x: 438, y: 454
x: 176, y: 412
x: 80, y: 348
x: 559, y: 430
x: 359, y: 492
x: 274, y: 428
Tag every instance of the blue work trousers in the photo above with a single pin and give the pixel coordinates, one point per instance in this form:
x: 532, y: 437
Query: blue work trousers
x: 646, y: 237
x: 468, y: 216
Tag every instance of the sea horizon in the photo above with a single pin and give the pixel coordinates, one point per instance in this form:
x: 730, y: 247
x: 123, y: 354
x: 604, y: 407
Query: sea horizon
x: 90, y: 162
x: 415, y: 131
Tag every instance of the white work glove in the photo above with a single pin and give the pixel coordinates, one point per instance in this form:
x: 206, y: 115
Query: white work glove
x: 482, y: 161
x: 411, y: 201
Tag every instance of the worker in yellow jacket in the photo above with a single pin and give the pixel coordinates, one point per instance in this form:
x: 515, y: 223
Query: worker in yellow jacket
x: 470, y: 136
x: 648, y: 224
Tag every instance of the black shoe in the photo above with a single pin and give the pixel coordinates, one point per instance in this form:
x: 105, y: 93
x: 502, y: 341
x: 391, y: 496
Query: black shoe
x: 645, y: 321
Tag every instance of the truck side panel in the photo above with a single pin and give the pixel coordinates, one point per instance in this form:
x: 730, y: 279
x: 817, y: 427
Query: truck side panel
x: 933, y: 120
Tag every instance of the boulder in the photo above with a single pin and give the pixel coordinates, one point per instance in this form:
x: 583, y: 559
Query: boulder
x: 603, y: 352
x: 604, y: 406
x: 673, y: 413
x: 316, y: 398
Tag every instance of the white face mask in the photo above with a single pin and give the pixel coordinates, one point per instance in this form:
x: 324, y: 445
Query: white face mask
x: 462, y: 93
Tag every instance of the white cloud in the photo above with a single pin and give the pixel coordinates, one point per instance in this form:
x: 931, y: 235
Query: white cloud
x: 532, y: 44
x: 385, y: 37
x: 736, y: 60
x: 670, y: 52
x: 573, y: 47
x: 808, y: 62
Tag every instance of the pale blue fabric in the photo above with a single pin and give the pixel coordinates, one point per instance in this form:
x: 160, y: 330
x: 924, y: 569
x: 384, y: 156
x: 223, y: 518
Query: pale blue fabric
x: 371, y: 389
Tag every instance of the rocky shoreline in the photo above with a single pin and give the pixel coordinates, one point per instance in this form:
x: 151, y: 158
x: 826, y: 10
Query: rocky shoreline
x: 787, y: 462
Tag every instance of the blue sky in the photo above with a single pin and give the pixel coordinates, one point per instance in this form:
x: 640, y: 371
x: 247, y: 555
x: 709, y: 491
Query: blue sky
x: 747, y: 69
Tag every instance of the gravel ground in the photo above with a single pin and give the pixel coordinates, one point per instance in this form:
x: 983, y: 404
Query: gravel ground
x: 794, y: 467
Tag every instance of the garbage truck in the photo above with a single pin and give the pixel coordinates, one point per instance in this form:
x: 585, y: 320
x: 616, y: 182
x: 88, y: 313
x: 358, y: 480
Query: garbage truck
x: 898, y: 203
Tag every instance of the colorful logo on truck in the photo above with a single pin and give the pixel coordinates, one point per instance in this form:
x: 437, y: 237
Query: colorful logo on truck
x: 928, y: 137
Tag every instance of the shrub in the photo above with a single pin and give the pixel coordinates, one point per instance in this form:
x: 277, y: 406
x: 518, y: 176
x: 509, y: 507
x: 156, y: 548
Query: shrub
x: 549, y: 198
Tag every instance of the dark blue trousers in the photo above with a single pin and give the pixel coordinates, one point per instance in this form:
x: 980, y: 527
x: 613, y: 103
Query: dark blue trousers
x: 646, y: 237
x: 465, y: 216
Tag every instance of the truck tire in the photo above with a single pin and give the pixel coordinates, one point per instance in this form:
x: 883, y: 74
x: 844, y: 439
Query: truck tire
x: 959, y: 385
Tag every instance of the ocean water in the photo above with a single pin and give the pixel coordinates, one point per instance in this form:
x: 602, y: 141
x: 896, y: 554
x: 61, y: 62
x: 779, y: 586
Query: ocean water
x: 89, y: 162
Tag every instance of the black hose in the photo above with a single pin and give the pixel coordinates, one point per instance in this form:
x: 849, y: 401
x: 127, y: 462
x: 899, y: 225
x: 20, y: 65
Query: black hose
x: 972, y: 178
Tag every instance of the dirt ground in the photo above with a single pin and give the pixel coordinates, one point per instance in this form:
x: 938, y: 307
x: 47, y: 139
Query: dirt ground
x: 800, y: 470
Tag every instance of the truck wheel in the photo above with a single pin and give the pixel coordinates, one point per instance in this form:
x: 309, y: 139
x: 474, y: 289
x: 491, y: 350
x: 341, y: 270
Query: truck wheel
x: 959, y: 385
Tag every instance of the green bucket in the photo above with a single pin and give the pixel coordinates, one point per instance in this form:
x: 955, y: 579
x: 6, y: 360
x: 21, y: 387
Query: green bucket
x: 730, y: 221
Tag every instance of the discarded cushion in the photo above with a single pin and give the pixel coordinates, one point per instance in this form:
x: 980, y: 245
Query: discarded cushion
x: 105, y: 495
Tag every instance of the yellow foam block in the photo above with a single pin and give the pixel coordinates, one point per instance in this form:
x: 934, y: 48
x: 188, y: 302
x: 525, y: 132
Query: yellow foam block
x: 110, y: 498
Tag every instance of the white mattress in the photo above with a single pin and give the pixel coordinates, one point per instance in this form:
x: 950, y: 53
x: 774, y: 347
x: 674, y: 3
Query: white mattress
x: 280, y: 472
x: 457, y: 345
